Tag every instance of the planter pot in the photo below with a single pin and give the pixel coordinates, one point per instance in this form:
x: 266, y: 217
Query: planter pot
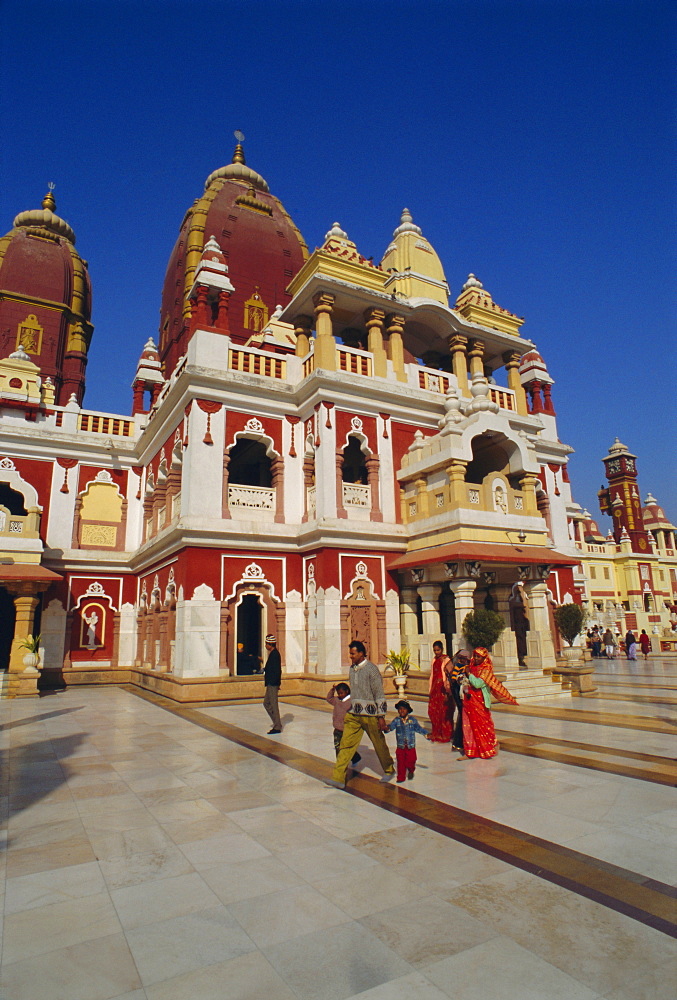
x: 400, y: 681
x: 31, y: 661
x: 572, y: 654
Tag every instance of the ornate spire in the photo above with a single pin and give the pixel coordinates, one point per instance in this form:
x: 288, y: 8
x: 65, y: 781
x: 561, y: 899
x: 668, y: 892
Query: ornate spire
x: 48, y: 201
x: 407, y: 224
x: 238, y: 155
x: 336, y: 233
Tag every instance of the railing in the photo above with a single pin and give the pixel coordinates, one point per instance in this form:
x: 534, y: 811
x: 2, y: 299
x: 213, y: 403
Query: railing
x: 504, y: 397
x: 356, y: 495
x: 352, y: 360
x: 252, y: 497
x: 308, y: 364
x: 311, y: 500
x: 432, y: 380
x: 256, y: 363
x: 97, y: 423
x: 11, y: 524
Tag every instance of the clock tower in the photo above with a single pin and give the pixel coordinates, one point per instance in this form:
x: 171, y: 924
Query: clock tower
x: 621, y: 498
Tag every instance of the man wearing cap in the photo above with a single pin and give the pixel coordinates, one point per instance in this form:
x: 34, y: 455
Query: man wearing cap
x: 272, y: 678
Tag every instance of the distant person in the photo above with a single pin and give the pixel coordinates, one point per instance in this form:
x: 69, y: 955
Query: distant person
x: 405, y: 727
x: 609, y: 644
x: 339, y: 699
x: 246, y: 663
x: 644, y: 644
x: 272, y: 678
x: 630, y: 646
x: 596, y: 643
x: 367, y: 715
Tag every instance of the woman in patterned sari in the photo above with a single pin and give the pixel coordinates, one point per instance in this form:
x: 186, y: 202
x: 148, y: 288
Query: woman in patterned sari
x: 479, y: 735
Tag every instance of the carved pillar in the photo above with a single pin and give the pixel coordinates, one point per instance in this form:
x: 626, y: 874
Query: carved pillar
x: 536, y: 399
x: 458, y: 345
x: 76, y: 522
x: 202, y: 311
x: 163, y: 659
x: 543, y: 504
x: 303, y: 326
x: 457, y: 491
x: 528, y: 486
x: 222, y: 312
x: 548, y: 405
x: 381, y: 638
x: 340, y: 509
x: 540, y: 647
x: 512, y: 363
x: 325, y: 343
x: 22, y: 684
x: 395, y: 345
x: 422, y: 501
x: 308, y: 481
x: 505, y: 649
x: 137, y: 403
x: 408, y: 618
x: 225, y: 508
x: 277, y: 475
x: 464, y: 603
x: 374, y: 322
x: 373, y: 465
x: 476, y: 356
x: 430, y: 598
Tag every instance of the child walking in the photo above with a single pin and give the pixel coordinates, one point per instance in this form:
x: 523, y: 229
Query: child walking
x: 406, y: 727
x: 339, y: 699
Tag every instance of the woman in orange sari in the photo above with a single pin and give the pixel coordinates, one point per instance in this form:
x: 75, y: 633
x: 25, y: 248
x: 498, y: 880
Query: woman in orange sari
x: 479, y: 735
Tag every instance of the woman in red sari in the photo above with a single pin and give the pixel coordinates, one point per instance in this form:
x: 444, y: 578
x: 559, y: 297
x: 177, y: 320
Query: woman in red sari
x: 479, y: 735
x: 440, y: 708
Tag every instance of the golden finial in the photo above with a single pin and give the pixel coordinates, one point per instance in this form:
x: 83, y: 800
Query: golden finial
x: 48, y: 201
x: 238, y: 155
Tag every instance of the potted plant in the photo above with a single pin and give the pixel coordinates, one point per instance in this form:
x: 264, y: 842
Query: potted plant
x: 32, y: 656
x: 482, y: 628
x: 569, y: 619
x: 399, y: 663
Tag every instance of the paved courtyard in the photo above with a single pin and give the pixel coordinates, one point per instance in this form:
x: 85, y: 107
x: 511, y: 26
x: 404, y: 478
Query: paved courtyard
x: 158, y: 852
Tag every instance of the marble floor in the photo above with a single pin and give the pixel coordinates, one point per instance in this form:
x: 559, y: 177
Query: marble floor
x: 152, y: 851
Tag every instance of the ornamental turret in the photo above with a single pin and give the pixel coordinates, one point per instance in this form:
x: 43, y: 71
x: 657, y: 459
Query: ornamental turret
x: 149, y: 380
x: 621, y: 498
x: 413, y: 267
x: 46, y: 298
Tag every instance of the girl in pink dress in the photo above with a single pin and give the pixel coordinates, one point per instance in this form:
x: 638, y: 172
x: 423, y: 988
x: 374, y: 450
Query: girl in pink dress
x: 440, y: 707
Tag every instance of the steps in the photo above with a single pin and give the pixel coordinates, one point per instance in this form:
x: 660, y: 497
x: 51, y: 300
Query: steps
x: 530, y: 685
x: 4, y: 683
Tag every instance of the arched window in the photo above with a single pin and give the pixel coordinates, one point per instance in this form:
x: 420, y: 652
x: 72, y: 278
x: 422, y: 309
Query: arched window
x: 354, y: 464
x: 249, y: 464
x: 487, y: 456
x: 12, y: 500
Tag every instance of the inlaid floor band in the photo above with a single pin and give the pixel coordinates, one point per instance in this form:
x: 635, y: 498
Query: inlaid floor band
x: 616, y: 720
x: 643, y: 899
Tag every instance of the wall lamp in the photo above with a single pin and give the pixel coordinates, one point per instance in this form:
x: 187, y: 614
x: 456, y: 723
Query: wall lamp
x: 521, y: 535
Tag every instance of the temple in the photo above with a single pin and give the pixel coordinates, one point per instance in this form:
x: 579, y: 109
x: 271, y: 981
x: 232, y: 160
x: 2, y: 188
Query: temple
x: 319, y: 446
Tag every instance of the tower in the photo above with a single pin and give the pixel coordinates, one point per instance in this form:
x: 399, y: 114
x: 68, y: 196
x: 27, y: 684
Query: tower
x: 621, y: 498
x: 46, y: 298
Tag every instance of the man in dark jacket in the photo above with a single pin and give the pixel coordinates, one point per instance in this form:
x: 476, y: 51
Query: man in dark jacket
x: 272, y: 677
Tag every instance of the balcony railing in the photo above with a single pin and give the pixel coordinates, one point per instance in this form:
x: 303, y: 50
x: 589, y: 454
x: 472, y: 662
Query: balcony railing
x: 356, y: 495
x: 352, y: 360
x: 251, y: 497
x: 255, y: 362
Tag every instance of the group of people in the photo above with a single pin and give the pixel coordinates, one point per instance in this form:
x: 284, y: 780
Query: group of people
x: 463, y: 687
x: 597, y: 640
x: 459, y: 701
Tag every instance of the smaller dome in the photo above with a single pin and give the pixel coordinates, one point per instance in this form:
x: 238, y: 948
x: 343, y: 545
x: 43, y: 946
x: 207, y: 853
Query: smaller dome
x: 472, y: 282
x: 239, y: 171
x: 45, y: 218
x: 618, y: 448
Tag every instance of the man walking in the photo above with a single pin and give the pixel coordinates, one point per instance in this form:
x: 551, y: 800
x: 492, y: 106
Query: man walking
x: 272, y: 678
x: 367, y: 715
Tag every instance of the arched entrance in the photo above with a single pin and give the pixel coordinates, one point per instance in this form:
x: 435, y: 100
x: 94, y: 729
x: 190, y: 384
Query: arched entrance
x: 7, y: 622
x: 248, y: 631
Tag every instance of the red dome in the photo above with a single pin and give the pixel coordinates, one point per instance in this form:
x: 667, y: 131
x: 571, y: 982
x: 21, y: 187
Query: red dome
x: 46, y: 299
x: 261, y: 245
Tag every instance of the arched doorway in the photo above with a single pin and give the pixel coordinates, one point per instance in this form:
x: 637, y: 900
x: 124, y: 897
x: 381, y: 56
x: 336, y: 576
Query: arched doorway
x: 7, y: 620
x: 447, y: 610
x: 248, y: 631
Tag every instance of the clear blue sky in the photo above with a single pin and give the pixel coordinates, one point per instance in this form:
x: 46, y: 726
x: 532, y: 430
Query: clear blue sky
x: 534, y: 143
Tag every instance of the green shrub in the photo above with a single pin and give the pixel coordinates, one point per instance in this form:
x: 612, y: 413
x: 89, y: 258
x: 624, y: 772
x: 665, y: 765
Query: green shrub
x: 569, y: 619
x: 482, y: 628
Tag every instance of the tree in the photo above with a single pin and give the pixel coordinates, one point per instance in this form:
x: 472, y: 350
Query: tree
x: 482, y: 628
x: 569, y: 619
